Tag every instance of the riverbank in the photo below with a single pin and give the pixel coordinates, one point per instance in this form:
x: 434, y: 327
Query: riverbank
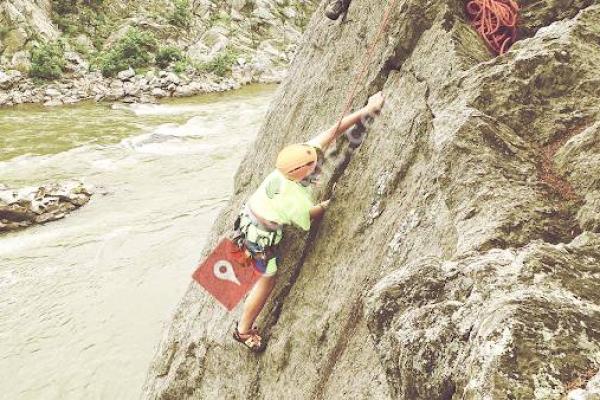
x: 63, y: 52
x: 129, y: 87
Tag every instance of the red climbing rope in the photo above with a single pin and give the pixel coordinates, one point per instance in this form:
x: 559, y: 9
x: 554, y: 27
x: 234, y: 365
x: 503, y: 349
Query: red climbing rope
x: 496, y: 21
x: 359, y: 78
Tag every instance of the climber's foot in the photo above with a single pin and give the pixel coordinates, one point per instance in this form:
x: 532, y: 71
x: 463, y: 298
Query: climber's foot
x: 251, y: 339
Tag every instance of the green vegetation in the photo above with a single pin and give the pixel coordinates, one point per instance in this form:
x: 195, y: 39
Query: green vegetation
x: 73, y: 6
x: 101, y: 27
x: 304, y: 11
x: 220, y: 18
x: 136, y: 50
x: 181, y: 15
x: 47, y: 60
x: 182, y: 66
x: 66, y: 24
x: 80, y: 48
x: 221, y: 64
x: 90, y: 17
x: 168, y: 54
x: 3, y: 31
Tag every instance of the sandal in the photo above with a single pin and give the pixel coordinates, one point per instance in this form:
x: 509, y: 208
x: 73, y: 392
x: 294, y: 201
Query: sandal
x: 250, y: 339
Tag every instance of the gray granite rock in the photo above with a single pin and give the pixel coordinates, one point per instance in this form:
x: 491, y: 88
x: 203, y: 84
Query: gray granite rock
x: 126, y: 75
x: 9, y: 79
x: 24, y: 207
x: 460, y: 256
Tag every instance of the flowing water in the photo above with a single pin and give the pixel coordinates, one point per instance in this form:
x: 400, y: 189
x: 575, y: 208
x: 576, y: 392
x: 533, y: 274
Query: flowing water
x: 83, y: 300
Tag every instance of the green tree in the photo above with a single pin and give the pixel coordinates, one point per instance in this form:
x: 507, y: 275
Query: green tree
x: 168, y: 54
x: 136, y: 50
x: 47, y: 60
x: 181, y: 15
x: 221, y: 64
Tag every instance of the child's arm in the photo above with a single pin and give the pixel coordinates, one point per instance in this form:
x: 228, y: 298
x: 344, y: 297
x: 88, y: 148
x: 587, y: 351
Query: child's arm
x: 325, y: 138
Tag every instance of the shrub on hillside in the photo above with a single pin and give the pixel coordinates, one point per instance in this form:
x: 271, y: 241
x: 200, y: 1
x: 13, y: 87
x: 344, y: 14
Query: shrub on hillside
x: 221, y: 64
x: 71, y: 15
x: 168, y: 54
x: 73, y: 6
x: 4, y: 31
x: 136, y: 50
x: 47, y: 60
x: 184, y: 66
x: 181, y: 15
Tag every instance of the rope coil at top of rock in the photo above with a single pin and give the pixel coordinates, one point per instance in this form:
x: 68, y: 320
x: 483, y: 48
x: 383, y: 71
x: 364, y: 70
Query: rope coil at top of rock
x: 496, y: 21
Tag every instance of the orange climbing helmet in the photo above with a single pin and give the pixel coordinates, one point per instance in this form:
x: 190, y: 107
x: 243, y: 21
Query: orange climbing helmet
x: 297, y: 161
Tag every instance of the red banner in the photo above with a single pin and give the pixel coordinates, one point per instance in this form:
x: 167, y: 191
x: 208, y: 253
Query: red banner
x: 226, y: 275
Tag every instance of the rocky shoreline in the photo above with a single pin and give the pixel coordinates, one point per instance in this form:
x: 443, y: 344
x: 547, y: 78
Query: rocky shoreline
x: 20, y: 208
x: 129, y: 87
x: 69, y: 52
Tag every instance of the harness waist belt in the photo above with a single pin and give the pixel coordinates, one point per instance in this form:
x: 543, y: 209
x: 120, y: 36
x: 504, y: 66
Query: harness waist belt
x: 261, y: 222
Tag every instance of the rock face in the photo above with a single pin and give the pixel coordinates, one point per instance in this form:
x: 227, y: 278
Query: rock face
x: 460, y: 257
x: 35, y: 205
x: 22, y: 20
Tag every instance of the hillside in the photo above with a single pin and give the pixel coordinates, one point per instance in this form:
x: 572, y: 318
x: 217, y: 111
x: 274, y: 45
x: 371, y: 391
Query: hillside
x: 63, y: 51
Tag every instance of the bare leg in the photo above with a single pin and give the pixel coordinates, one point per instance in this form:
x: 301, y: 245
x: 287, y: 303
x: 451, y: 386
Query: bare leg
x: 255, y: 302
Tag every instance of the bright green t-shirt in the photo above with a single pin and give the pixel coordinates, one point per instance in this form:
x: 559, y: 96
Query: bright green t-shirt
x: 283, y: 201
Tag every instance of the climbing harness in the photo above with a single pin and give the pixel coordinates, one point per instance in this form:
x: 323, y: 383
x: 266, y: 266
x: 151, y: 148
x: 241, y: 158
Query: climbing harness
x: 258, y: 241
x: 250, y: 228
x: 496, y: 22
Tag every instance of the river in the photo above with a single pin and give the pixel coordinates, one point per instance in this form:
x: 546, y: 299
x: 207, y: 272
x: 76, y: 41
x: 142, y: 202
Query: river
x: 84, y: 300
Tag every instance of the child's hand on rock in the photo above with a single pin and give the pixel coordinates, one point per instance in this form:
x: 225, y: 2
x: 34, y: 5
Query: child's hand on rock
x: 375, y: 103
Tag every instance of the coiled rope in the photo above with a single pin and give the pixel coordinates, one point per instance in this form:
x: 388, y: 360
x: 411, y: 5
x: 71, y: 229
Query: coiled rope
x: 496, y: 21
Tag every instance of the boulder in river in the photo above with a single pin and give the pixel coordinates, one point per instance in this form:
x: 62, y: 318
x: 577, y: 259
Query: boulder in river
x: 27, y: 206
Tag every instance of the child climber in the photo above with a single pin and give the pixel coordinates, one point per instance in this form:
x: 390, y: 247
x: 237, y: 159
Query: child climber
x: 284, y: 197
